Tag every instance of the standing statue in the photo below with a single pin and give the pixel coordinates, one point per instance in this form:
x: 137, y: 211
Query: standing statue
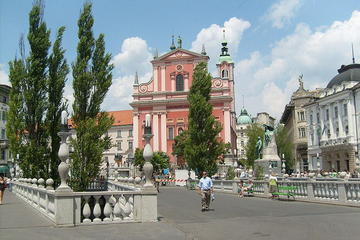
x: 268, y: 135
x: 179, y: 42
x: 258, y: 148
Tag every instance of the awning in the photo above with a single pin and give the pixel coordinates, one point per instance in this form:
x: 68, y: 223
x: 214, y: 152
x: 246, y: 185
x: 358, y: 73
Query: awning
x: 4, y: 169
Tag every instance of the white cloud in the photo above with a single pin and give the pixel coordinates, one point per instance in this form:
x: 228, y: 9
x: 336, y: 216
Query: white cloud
x: 281, y: 12
x: 4, y: 77
x: 135, y: 56
x: 212, y: 37
x: 267, y: 81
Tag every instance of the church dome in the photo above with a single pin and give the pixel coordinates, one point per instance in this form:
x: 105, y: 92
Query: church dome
x: 348, y: 73
x: 244, y: 117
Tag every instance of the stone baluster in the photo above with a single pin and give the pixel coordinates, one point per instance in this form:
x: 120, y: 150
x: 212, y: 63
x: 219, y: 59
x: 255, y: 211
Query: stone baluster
x: 97, y: 209
x: 107, y: 209
x: 127, y: 207
x: 49, y: 184
x: 86, y: 211
x: 41, y: 182
x: 356, y: 192
x: 117, y: 209
x: 331, y: 191
x: 341, y: 192
x: 348, y: 191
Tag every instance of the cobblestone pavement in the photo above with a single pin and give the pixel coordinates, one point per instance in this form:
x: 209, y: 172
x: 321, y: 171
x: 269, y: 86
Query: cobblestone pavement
x: 180, y: 217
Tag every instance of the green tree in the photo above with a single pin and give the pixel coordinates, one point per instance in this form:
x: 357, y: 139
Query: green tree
x: 252, y: 132
x: 202, y: 147
x: 160, y: 160
x: 179, y: 146
x: 230, y: 174
x: 58, y: 70
x: 284, y: 146
x: 92, y: 79
x: 15, y: 116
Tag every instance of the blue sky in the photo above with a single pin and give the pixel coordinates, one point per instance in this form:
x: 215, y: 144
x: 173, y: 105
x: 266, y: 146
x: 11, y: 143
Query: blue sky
x: 271, y: 42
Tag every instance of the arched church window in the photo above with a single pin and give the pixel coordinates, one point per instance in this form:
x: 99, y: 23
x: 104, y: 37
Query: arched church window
x: 225, y: 74
x: 180, y: 130
x: 179, y: 82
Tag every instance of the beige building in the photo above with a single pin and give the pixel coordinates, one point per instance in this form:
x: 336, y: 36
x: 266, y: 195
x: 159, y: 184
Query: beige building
x: 243, y: 121
x: 294, y: 120
x: 264, y: 118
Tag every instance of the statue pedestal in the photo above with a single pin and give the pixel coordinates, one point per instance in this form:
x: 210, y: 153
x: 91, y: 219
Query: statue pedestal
x: 270, y: 157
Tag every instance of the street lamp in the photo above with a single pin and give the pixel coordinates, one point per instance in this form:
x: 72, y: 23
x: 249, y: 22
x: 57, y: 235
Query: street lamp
x: 283, y: 164
x: 130, y: 159
x: 318, y: 162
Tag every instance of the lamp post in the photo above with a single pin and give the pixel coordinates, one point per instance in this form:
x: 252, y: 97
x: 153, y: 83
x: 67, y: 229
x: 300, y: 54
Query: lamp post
x: 283, y: 170
x: 130, y: 160
x: 148, y: 153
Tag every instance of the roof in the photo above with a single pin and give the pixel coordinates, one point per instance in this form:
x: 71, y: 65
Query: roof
x: 121, y: 118
x: 347, y: 73
x: 124, y: 117
x: 244, y: 117
x: 159, y: 59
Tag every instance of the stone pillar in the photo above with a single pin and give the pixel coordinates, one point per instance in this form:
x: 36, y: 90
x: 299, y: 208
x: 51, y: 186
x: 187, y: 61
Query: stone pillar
x: 341, y: 128
x: 310, y: 190
x: 163, y: 68
x: 64, y: 208
x: 136, y: 130
x: 341, y: 192
x: 156, y: 79
x: 156, y: 131
x: 148, y: 153
x: 163, y: 133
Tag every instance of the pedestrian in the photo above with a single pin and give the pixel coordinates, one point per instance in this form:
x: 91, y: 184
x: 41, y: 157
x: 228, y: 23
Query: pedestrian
x: 273, y: 185
x: 241, y: 188
x: 2, y: 188
x: 205, y: 190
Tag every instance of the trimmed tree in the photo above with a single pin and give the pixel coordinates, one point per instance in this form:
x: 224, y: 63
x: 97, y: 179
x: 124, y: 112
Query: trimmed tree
x: 160, y: 160
x: 92, y: 79
x: 58, y: 70
x: 253, y: 132
x: 202, y: 146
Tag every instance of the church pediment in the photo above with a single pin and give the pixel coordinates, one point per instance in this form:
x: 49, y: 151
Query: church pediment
x: 179, y: 54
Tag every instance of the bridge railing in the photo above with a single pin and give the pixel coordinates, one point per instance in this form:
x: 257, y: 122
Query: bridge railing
x: 307, y: 189
x: 124, y: 202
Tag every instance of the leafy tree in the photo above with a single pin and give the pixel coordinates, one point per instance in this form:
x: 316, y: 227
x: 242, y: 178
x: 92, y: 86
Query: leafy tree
x: 284, y: 146
x: 159, y: 161
x: 15, y: 124
x: 58, y: 70
x: 230, y: 174
x: 92, y: 79
x: 253, y: 132
x: 202, y: 147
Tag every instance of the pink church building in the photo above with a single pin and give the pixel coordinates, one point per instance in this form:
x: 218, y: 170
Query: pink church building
x: 164, y: 97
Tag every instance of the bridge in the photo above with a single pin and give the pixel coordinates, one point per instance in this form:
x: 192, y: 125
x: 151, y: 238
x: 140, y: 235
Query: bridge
x: 230, y: 217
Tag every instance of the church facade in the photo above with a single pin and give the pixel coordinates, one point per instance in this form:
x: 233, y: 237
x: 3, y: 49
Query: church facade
x: 164, y: 97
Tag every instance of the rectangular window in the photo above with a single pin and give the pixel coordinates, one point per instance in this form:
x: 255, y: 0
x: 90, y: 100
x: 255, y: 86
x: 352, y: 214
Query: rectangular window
x: 302, y: 116
x: 3, y: 136
x: 311, y: 119
x: 335, y: 111
x: 303, y: 133
x: 328, y: 133
x: 337, y: 131
x: 345, y: 109
x: 327, y: 114
x: 4, y: 115
x: 130, y: 133
x: 171, y: 133
x: 130, y: 145
x: 3, y: 155
x: 118, y: 144
x: 242, y: 143
x: 346, y: 130
x: 318, y: 117
x: 118, y: 133
x: 241, y: 134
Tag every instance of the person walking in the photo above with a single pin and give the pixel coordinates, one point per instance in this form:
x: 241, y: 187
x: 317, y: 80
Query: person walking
x: 2, y: 188
x: 273, y: 185
x: 205, y: 190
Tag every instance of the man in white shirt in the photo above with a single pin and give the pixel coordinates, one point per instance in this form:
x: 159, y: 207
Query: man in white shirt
x: 205, y: 189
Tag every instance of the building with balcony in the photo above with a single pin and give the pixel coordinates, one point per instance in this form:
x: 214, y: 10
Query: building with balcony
x: 333, y: 122
x: 294, y: 120
x: 4, y: 146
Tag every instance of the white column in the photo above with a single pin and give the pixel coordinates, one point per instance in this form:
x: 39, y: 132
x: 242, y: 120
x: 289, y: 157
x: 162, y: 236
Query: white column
x: 186, y: 83
x: 227, y: 125
x: 136, y: 130
x: 155, y: 79
x: 163, y: 133
x: 331, y: 117
x: 340, y: 114
x: 156, y: 131
x: 163, y: 78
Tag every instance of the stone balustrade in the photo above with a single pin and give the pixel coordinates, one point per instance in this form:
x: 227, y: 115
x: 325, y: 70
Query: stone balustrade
x: 331, y: 190
x: 125, y: 201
